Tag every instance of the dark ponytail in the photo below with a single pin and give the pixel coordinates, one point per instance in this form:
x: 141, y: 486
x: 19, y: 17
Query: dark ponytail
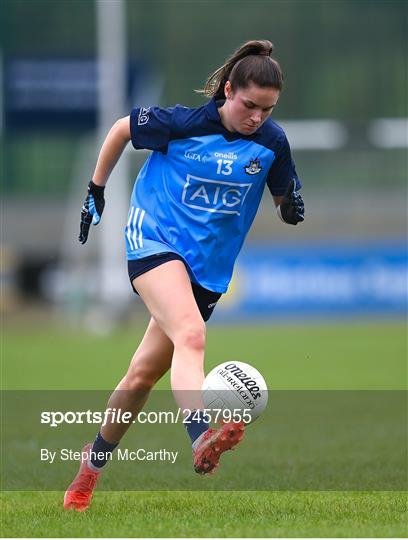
x: 251, y: 63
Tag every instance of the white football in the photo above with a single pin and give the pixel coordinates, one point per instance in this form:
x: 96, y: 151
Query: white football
x: 236, y: 386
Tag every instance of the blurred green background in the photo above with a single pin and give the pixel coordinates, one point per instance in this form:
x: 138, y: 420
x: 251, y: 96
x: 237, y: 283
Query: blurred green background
x: 343, y: 60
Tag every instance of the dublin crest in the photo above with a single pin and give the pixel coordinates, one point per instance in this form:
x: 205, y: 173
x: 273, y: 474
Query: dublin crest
x: 254, y: 167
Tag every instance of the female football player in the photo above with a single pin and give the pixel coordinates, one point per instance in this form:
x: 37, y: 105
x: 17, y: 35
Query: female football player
x: 192, y: 205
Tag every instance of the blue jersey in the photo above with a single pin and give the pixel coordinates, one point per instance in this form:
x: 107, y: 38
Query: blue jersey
x: 198, y: 192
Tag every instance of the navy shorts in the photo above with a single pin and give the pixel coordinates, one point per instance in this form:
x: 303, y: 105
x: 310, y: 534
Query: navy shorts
x: 206, y: 300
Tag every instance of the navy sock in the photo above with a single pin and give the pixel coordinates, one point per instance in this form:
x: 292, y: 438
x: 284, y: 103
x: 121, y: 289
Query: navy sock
x: 101, y: 449
x: 195, y: 424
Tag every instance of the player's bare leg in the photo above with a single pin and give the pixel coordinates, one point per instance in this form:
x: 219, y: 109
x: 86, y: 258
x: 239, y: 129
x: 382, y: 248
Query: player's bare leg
x: 149, y: 363
x: 166, y: 290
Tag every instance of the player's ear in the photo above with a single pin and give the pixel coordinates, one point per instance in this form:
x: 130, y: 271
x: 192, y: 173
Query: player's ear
x: 228, y: 90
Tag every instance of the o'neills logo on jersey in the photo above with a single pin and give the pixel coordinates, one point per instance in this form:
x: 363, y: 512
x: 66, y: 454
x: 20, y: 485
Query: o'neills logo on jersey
x: 143, y: 117
x: 229, y: 155
x: 245, y: 379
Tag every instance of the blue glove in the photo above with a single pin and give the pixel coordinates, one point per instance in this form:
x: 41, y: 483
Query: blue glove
x: 92, y: 210
x: 292, y: 209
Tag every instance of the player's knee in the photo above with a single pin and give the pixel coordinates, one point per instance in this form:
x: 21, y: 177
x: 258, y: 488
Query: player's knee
x: 191, y: 336
x: 137, y: 380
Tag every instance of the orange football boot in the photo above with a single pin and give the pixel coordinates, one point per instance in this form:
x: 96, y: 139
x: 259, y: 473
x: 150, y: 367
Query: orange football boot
x: 79, y: 494
x: 213, y: 442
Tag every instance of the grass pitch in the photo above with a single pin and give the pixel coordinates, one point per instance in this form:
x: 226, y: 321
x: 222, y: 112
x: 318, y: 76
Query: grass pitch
x: 344, y: 356
x: 209, y: 514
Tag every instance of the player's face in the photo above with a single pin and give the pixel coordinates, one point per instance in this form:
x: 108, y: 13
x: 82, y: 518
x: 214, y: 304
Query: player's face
x: 246, y: 109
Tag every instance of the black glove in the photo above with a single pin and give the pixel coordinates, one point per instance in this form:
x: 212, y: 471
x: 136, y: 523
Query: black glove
x: 292, y: 209
x: 92, y: 210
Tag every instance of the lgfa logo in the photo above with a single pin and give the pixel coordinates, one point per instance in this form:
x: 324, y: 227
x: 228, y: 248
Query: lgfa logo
x: 202, y: 158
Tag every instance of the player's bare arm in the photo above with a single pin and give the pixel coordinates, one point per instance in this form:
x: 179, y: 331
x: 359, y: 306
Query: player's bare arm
x: 112, y: 148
